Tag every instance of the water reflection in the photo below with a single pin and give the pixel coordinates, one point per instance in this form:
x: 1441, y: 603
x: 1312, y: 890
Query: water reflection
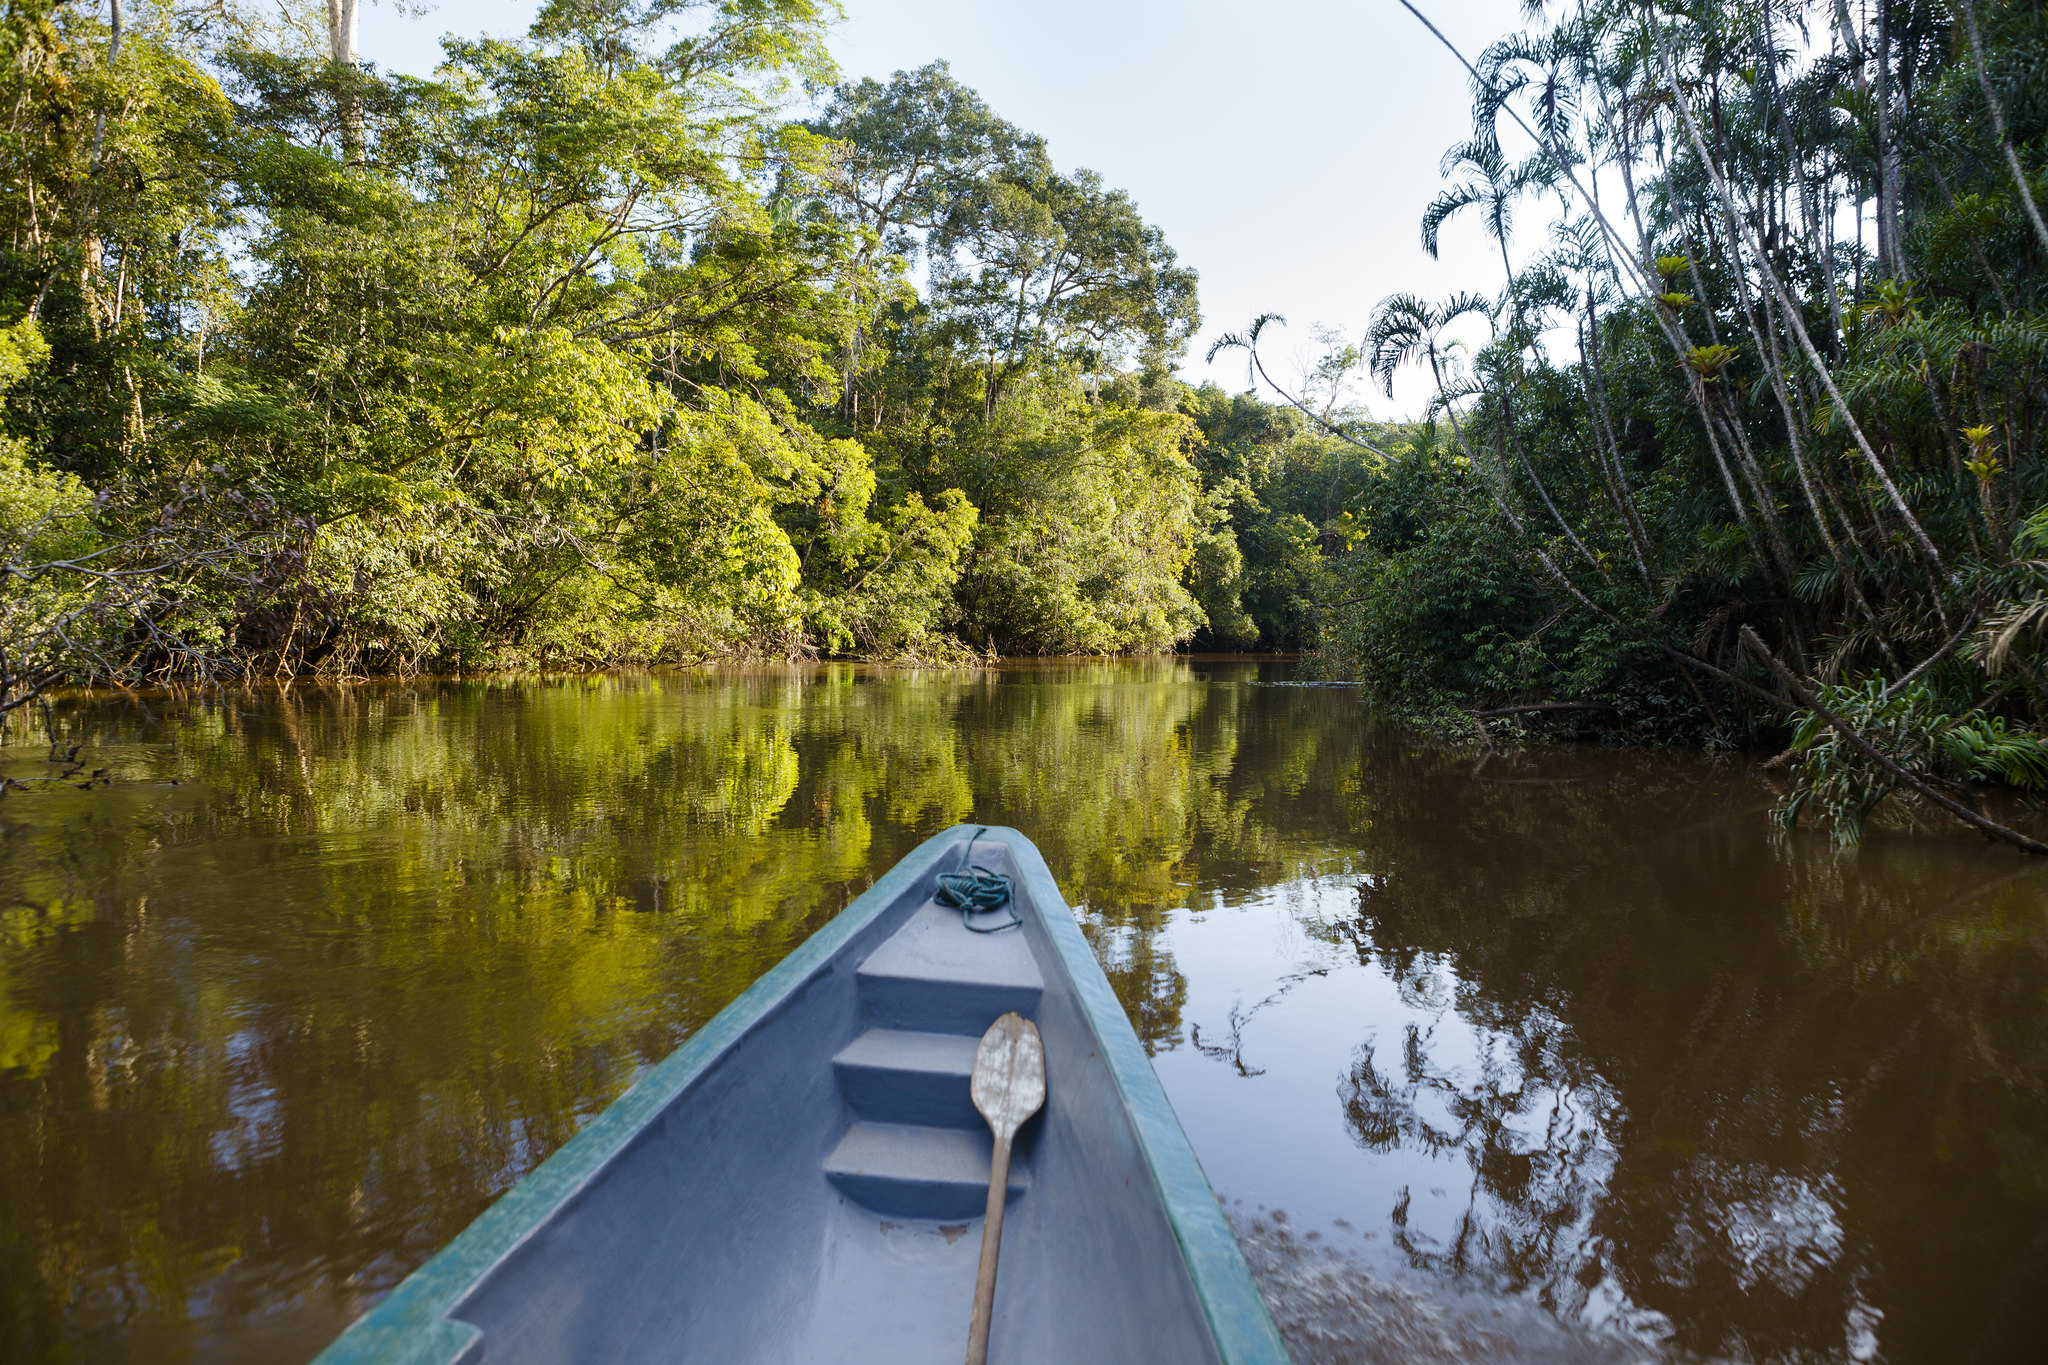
x: 1562, y: 1051
x: 1608, y: 1047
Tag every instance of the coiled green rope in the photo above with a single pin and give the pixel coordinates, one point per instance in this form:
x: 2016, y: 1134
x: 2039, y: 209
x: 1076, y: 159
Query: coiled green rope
x: 976, y: 891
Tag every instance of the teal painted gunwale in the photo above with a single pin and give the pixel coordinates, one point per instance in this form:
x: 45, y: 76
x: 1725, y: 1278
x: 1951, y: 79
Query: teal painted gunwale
x: 410, y: 1326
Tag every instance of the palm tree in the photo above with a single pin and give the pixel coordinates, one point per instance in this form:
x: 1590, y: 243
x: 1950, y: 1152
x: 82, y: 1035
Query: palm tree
x: 1255, y: 370
x: 1407, y: 330
x: 1488, y: 183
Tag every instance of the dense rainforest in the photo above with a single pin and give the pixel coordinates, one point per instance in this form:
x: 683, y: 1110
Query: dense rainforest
x: 646, y: 338
x: 586, y: 351
x: 1748, y: 445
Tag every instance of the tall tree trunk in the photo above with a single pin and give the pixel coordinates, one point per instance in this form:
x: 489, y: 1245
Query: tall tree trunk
x: 341, y: 30
x: 1820, y: 241
x: 1891, y: 246
x: 1790, y: 312
x: 116, y: 27
x: 87, y: 237
x: 1617, y: 479
x: 1991, y: 101
x: 341, y: 46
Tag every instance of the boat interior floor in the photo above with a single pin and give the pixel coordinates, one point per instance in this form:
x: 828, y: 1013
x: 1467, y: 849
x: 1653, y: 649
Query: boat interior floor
x: 913, y: 1165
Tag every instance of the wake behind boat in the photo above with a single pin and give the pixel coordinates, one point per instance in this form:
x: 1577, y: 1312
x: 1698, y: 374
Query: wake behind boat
x: 804, y: 1179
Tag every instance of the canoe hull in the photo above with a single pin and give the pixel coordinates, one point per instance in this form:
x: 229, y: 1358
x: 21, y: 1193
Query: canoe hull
x: 798, y: 1181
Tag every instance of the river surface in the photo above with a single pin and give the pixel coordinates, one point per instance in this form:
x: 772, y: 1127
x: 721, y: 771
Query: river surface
x: 1554, y: 1055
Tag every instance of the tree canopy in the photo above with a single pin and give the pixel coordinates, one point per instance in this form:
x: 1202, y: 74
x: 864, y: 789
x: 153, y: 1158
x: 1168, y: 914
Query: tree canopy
x: 581, y: 351
x: 1751, y: 450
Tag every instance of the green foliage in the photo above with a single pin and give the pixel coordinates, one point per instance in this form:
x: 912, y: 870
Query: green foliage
x: 1986, y: 749
x: 1287, y: 492
x: 22, y: 350
x: 1709, y: 361
x: 1701, y: 418
x: 895, y: 580
x: 579, y: 353
x: 1094, y: 515
x: 1837, y: 784
x: 1216, y: 578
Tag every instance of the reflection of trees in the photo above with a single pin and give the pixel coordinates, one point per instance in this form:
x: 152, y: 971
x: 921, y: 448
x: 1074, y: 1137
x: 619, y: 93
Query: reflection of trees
x: 1135, y: 791
x: 1145, y: 979
x: 1537, y: 1145
x: 1787, y: 1101
x: 1229, y: 1049
x: 278, y: 1032
x: 275, y: 1034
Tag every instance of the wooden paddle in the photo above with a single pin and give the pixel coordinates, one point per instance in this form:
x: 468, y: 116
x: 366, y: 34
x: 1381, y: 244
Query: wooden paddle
x: 1009, y: 1087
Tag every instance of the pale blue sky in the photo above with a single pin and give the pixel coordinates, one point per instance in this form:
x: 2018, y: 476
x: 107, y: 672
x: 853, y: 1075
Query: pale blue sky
x: 1286, y: 148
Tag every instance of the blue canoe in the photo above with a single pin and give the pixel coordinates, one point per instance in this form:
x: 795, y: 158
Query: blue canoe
x: 803, y: 1180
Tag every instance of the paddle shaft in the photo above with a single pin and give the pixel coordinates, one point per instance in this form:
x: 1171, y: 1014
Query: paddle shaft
x: 991, y: 1248
x: 1008, y: 1086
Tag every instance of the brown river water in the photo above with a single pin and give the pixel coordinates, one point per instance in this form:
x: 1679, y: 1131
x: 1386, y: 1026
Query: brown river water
x: 1561, y: 1055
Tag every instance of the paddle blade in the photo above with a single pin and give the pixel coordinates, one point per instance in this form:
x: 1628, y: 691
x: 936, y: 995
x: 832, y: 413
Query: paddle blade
x: 1009, y: 1074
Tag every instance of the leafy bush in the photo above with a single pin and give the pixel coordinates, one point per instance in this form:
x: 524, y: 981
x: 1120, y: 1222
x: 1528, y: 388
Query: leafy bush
x: 1834, y: 782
